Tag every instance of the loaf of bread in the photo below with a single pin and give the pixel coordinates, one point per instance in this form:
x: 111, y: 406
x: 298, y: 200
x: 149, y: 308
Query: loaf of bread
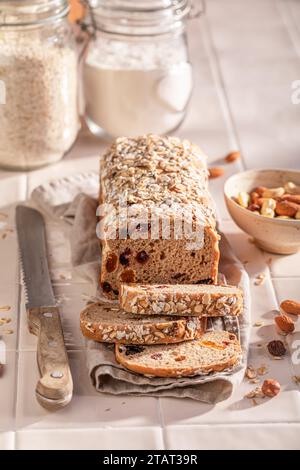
x: 185, y: 299
x: 214, y: 352
x: 109, y: 324
x: 157, y: 217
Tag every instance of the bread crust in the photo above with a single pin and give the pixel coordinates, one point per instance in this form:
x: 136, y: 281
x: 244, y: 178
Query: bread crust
x: 164, y: 330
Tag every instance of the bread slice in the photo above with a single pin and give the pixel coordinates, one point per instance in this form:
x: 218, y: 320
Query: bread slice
x: 108, y: 323
x: 181, y: 299
x: 214, y: 352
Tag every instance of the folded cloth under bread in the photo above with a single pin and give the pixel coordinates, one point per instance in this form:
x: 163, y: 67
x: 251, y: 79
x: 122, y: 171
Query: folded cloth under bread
x: 78, y: 207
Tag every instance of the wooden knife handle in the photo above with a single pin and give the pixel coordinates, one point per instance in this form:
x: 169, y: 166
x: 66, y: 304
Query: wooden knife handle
x: 55, y: 387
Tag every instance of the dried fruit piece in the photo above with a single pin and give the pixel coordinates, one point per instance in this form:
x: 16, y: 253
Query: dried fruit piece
x: 142, y: 257
x: 111, y: 262
x: 211, y: 344
x: 106, y: 287
x: 216, y: 172
x: 179, y: 358
x: 156, y: 356
x: 276, y: 348
x: 290, y: 306
x: 270, y: 388
x: 127, y: 276
x: 232, y: 157
x: 284, y: 323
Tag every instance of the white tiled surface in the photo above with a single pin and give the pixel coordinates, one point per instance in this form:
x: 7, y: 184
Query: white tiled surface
x: 246, y: 55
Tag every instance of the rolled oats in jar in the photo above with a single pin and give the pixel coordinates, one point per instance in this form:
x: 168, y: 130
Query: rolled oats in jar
x: 39, y: 118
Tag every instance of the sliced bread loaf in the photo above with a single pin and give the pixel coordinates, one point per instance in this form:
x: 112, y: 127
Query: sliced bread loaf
x: 215, y: 351
x: 108, y: 323
x: 181, y: 299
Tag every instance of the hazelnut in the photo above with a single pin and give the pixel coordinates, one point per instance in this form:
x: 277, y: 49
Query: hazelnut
x: 270, y: 388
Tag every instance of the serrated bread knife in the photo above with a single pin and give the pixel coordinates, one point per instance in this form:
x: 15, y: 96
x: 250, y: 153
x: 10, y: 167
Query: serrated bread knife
x: 55, y: 387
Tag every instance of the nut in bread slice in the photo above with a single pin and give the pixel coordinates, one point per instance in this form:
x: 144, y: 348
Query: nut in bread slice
x: 215, y: 351
x: 108, y: 323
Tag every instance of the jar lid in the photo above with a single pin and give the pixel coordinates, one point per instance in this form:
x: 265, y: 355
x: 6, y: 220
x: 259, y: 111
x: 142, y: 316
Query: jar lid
x: 139, y: 17
x: 31, y: 12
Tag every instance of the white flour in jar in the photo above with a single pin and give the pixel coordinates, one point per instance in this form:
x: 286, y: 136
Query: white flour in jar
x: 133, y: 89
x: 39, y: 121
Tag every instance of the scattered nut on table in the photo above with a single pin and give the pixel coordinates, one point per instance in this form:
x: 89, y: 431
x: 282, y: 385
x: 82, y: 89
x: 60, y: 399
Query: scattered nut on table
x: 276, y: 348
x: 270, y: 388
x: 284, y: 324
x: 291, y: 307
x: 216, y: 172
x: 232, y: 157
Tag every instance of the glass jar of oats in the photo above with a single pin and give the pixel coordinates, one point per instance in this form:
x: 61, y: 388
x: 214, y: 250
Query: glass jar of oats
x: 137, y: 76
x: 39, y: 118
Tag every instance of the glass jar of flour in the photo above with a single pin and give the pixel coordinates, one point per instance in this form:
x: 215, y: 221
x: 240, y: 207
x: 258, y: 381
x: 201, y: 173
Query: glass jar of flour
x: 137, y: 75
x: 39, y: 117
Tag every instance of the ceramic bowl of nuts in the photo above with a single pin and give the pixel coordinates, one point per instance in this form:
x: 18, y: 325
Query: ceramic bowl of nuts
x: 266, y: 205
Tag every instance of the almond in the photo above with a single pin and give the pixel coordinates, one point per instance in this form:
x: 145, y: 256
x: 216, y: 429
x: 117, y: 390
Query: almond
x: 232, y: 157
x: 287, y: 208
x: 216, y: 172
x: 284, y: 323
x: 260, y: 190
x: 290, y: 306
x: 254, y: 197
x: 291, y: 197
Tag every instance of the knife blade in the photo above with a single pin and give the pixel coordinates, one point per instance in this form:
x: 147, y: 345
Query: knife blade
x: 55, y: 387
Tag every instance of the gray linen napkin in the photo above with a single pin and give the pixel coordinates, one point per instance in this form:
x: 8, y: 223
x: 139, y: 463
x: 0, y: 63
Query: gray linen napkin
x: 106, y: 374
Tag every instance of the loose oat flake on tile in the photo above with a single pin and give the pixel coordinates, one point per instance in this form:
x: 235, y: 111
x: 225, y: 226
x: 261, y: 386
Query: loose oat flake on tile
x: 260, y: 279
x: 5, y: 308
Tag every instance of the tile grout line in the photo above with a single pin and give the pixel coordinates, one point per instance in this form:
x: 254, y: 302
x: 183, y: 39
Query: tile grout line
x: 162, y: 422
x: 290, y: 24
x: 221, y: 88
x: 18, y: 352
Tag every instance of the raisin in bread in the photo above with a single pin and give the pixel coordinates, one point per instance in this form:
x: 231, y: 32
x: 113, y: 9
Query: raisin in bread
x: 159, y: 178
x: 184, y: 299
x: 214, y: 352
x: 108, y: 323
